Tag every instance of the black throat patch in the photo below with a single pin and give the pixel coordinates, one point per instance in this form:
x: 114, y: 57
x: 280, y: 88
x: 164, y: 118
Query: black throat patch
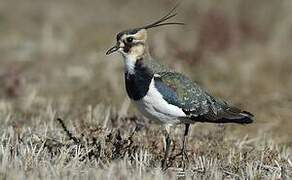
x: 137, y: 84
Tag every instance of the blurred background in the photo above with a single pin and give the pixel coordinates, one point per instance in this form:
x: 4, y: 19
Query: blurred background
x: 53, y: 53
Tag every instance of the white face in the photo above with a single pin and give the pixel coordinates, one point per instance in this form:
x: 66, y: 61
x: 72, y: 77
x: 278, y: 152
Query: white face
x: 132, y: 45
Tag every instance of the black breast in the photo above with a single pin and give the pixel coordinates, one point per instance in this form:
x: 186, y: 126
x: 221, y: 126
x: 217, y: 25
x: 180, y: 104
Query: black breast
x: 137, y: 84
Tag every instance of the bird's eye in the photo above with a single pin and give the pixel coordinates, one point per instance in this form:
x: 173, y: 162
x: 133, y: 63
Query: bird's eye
x: 130, y: 39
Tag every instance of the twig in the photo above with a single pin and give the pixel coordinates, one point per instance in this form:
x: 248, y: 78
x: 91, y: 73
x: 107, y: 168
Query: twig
x: 68, y: 133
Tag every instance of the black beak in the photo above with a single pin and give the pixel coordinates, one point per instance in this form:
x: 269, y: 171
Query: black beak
x: 112, y: 50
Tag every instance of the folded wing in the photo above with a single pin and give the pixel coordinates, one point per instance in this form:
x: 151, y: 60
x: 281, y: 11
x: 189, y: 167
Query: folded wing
x: 198, y: 105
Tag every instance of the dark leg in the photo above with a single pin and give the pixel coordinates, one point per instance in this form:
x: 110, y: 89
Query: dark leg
x: 167, y: 151
x: 183, y: 151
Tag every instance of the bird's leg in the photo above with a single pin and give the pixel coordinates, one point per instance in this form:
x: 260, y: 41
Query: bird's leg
x: 183, y: 151
x: 167, y: 150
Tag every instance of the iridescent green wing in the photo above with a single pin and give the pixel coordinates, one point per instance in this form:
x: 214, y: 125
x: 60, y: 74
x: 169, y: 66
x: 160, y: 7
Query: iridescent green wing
x: 180, y: 91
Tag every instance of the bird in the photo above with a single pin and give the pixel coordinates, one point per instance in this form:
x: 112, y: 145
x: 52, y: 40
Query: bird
x: 164, y: 95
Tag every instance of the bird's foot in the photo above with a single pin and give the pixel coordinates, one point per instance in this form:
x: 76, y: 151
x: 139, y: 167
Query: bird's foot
x: 164, y: 165
x: 185, y: 159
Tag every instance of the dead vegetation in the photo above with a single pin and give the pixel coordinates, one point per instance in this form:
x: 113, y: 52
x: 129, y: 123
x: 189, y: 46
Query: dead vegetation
x: 51, y: 150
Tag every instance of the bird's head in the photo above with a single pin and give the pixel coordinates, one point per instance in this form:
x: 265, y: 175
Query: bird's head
x: 132, y: 42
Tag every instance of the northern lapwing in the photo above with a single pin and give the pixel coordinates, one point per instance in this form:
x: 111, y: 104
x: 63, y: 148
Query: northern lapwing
x: 166, y: 96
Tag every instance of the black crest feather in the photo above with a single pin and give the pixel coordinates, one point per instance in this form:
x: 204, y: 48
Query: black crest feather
x: 162, y: 20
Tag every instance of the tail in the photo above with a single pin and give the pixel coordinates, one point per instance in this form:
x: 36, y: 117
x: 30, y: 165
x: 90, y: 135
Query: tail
x: 243, y: 117
x: 222, y: 112
x: 228, y: 116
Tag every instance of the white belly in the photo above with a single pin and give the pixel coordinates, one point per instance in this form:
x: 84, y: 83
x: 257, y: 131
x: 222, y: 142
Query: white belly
x: 154, y: 107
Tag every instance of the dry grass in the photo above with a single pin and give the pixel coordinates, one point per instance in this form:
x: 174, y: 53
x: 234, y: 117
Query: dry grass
x: 104, y: 145
x: 53, y: 66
